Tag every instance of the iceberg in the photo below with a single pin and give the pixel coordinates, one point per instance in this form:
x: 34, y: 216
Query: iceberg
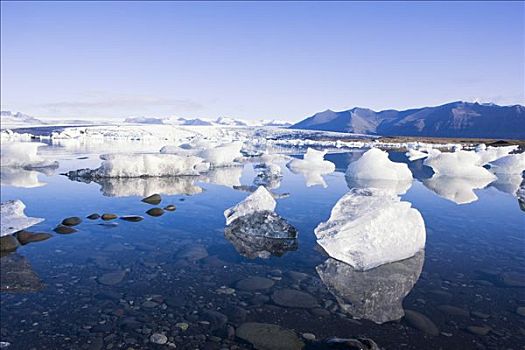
x: 261, y: 235
x: 23, y: 155
x: 490, y: 154
x: 459, y: 190
x: 14, y: 219
x: 377, y: 294
x: 312, y: 167
x: 143, y: 165
x: 465, y: 164
x: 370, y: 227
x: 511, y: 164
x: 414, y: 154
x: 375, y: 170
x: 260, y: 200
x: 223, y: 155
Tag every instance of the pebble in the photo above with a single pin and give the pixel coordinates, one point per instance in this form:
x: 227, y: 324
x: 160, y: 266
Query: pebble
x: 254, y: 283
x: 521, y: 311
x: 182, y: 325
x: 479, y: 330
x: 112, y: 278
x: 453, y: 310
x: 155, y: 212
x: 64, y: 230
x: 25, y: 237
x: 158, y: 338
x: 225, y: 290
x: 93, y: 216
x: 269, y: 336
x: 8, y: 243
x: 108, y: 216
x: 421, y: 322
x: 308, y: 336
x: 132, y: 218
x: 170, y: 207
x: 480, y: 314
x: 294, y: 298
x: 154, y: 199
x: 513, y: 279
x: 71, y: 221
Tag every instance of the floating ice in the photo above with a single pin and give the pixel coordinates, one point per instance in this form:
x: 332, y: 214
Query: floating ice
x: 511, y: 164
x: 14, y: 219
x: 374, y: 169
x: 463, y: 164
x: 312, y: 167
x: 23, y: 155
x: 520, y: 193
x: 459, y: 190
x: 261, y: 235
x: 371, y: 227
x: 490, y: 154
x: 414, y: 154
x: 223, y: 155
x: 143, y: 165
x: 260, y: 200
x: 376, y: 294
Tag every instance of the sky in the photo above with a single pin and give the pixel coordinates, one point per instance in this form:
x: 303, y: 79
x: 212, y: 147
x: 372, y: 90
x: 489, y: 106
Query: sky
x: 256, y: 60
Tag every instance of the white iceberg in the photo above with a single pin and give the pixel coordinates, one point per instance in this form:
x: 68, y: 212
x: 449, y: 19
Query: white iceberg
x: 465, y: 164
x: 511, y: 164
x: 490, y: 154
x: 14, y: 219
x: 23, y: 155
x: 375, y: 170
x: 143, y: 165
x: 459, y: 190
x: 371, y: 227
x: 223, y: 155
x: 312, y: 167
x: 260, y: 200
x: 414, y: 154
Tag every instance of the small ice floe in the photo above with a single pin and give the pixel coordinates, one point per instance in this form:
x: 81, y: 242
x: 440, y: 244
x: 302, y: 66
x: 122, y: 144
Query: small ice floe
x: 269, y: 172
x: 261, y: 234
x: 459, y: 190
x: 414, y: 154
x: 371, y: 227
x: 375, y: 170
x: 490, y: 154
x: 260, y: 200
x: 511, y: 164
x: 377, y: 294
x: 313, y: 166
x: 143, y: 165
x: 24, y: 155
x: 223, y: 155
x: 14, y: 219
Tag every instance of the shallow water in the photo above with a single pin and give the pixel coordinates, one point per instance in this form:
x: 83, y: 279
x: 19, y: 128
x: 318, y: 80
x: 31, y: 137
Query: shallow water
x: 112, y: 286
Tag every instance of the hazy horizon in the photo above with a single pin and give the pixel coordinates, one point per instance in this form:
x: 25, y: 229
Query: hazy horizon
x: 255, y: 61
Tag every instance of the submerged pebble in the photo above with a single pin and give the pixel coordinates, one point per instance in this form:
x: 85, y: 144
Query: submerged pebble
x: 132, y: 218
x: 8, y: 243
x: 254, y: 283
x: 93, y: 216
x: 158, y: 338
x: 294, y: 298
x: 269, y: 336
x: 64, y: 229
x: 170, y: 207
x: 421, y: 322
x: 25, y: 237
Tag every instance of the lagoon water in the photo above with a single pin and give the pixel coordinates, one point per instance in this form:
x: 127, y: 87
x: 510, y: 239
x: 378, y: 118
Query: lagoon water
x: 112, y: 285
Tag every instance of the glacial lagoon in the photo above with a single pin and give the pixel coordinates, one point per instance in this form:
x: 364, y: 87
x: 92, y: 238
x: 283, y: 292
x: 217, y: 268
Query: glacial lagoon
x: 185, y: 276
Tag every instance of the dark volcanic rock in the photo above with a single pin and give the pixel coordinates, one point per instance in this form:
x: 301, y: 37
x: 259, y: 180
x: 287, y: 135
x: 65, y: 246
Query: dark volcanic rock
x: 64, y: 230
x: 72, y: 221
x: 154, y: 199
x: 155, y: 212
x: 93, y: 216
x: 132, y: 218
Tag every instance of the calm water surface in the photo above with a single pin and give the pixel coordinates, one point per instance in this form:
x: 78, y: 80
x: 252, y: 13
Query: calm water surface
x: 112, y: 286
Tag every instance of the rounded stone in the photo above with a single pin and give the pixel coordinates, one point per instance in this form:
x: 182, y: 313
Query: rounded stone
x: 108, y: 216
x: 71, y: 221
x: 132, y: 218
x: 158, y: 338
x: 93, y: 216
x: 294, y: 298
x: 155, y: 212
x: 154, y: 199
x: 255, y: 283
x: 8, y: 243
x: 170, y: 207
x: 64, y: 230
x: 266, y: 336
x: 421, y: 322
x: 25, y: 237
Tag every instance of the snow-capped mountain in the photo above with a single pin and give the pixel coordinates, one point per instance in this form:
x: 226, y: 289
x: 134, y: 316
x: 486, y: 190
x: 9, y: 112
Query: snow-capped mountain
x: 456, y: 119
x: 221, y: 121
x: 8, y: 118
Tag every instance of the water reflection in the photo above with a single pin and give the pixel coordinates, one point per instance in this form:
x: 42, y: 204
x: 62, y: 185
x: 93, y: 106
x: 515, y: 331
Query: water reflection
x: 19, y: 177
x: 376, y: 294
x: 261, y: 235
x: 456, y: 189
x: 223, y: 176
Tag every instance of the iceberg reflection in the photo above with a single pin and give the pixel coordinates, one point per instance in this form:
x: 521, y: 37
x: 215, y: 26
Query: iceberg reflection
x: 459, y: 190
x: 377, y: 294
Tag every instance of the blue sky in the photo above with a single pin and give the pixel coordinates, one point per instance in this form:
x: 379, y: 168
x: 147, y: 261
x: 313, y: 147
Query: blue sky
x: 256, y: 60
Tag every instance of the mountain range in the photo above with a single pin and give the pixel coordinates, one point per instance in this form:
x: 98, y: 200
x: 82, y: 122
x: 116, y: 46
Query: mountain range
x: 456, y: 119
